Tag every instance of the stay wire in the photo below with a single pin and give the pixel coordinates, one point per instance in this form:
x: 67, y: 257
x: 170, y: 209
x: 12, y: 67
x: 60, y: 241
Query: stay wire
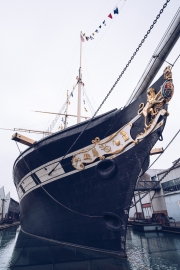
x: 132, y: 96
x: 127, y: 65
x: 166, y: 173
x: 175, y: 61
x: 145, y: 193
x: 114, y: 85
x: 154, y: 57
x: 71, y: 210
x: 164, y: 149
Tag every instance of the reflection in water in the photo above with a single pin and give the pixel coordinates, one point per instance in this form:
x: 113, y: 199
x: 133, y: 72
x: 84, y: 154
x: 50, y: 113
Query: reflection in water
x: 149, y: 251
x: 8, y: 239
x: 153, y: 250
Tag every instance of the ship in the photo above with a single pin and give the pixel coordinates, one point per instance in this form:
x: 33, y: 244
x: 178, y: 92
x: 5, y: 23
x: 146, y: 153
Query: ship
x: 76, y: 186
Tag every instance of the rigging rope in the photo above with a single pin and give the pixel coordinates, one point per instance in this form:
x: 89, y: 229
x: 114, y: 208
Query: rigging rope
x: 64, y: 206
x: 166, y: 173
x: 145, y: 193
x: 59, y: 113
x: 132, y: 96
x: 114, y: 85
x: 71, y: 210
x: 88, y: 101
x: 153, y: 58
x: 164, y: 149
x: 127, y: 65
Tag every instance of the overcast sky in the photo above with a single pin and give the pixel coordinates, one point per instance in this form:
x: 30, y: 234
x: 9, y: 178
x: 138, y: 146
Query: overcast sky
x: 39, y: 62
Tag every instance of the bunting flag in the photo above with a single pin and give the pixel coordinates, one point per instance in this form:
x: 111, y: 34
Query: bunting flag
x: 71, y: 94
x: 115, y: 11
x: 84, y: 101
x: 85, y: 109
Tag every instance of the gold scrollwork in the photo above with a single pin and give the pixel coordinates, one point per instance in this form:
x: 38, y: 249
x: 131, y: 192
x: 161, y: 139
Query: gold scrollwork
x: 124, y: 135
x: 104, y: 147
x: 155, y: 102
x: 117, y: 142
x: 96, y: 140
x: 87, y: 156
x: 95, y: 152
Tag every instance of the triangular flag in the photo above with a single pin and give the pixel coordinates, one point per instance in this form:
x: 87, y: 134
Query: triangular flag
x: 96, y: 31
x: 110, y: 16
x: 71, y: 94
x: 91, y: 38
x: 93, y: 34
x: 104, y: 23
x: 116, y: 11
x: 100, y: 26
x: 87, y: 38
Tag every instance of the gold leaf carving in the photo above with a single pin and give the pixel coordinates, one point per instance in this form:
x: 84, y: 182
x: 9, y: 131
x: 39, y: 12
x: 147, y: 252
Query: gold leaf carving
x: 124, y: 135
x: 87, y: 156
x: 95, y: 152
x: 96, y: 140
x: 117, y: 142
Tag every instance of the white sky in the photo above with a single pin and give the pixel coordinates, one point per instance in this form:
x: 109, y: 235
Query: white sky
x: 39, y: 61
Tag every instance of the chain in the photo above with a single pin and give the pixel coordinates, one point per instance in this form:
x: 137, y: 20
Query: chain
x: 134, y: 54
x: 127, y: 65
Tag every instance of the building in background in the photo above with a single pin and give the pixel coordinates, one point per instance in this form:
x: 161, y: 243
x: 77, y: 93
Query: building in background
x: 163, y: 198
x: 9, y: 208
x: 170, y: 186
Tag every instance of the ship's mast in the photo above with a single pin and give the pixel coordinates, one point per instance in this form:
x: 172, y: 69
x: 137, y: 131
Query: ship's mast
x: 79, y: 83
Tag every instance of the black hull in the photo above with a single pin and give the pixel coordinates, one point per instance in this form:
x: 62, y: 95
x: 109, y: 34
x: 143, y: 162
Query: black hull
x: 82, y: 208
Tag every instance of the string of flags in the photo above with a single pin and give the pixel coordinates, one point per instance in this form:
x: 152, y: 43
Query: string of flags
x: 71, y: 95
x: 91, y: 37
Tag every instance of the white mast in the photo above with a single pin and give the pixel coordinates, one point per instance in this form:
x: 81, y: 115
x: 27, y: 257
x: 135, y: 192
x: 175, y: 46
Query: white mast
x: 79, y: 84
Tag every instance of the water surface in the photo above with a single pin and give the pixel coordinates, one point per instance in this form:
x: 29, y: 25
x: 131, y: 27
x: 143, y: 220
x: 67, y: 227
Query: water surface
x: 146, y: 251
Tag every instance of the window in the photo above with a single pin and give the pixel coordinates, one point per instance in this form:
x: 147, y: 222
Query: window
x: 171, y: 186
